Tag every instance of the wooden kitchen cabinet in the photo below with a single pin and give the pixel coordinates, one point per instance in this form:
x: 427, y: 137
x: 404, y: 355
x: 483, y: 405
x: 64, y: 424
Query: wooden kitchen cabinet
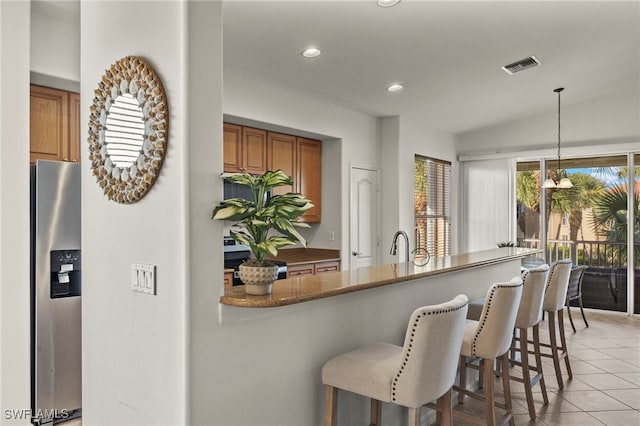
x: 282, y: 154
x: 244, y: 149
x: 54, y: 124
x: 301, y: 269
x: 74, y: 127
x: 249, y: 150
x: 301, y: 159
x: 232, y: 148
x: 312, y: 268
x: 331, y: 266
x: 228, y: 279
x: 309, y: 176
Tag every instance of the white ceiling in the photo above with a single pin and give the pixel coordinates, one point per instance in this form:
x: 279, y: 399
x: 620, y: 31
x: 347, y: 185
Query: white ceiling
x: 447, y: 54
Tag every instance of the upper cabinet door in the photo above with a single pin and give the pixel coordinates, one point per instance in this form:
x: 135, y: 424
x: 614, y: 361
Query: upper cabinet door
x: 74, y: 127
x: 310, y: 176
x: 54, y: 125
x: 281, y: 154
x: 232, y: 148
x: 244, y: 150
x: 49, y: 112
x: 254, y: 145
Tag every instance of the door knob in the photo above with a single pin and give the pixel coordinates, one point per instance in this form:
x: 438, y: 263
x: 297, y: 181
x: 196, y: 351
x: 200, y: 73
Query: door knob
x: 356, y: 253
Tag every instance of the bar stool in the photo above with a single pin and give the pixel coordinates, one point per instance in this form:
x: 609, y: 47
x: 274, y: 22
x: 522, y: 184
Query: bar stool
x: 554, y: 303
x: 422, y: 370
x: 489, y: 339
x: 529, y: 316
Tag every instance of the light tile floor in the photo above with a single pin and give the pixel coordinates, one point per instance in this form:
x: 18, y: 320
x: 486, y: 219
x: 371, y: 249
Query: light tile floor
x: 605, y: 390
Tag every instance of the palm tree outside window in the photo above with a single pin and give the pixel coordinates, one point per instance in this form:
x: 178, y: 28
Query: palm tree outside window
x: 432, y: 205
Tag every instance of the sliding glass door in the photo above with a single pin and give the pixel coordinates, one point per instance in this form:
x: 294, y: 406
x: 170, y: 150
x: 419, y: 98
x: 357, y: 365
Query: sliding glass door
x: 588, y: 223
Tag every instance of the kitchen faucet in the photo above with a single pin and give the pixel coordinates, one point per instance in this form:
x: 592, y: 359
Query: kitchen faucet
x: 394, y: 244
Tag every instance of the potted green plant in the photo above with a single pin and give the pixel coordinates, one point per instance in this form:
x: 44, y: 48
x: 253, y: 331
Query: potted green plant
x: 263, y: 224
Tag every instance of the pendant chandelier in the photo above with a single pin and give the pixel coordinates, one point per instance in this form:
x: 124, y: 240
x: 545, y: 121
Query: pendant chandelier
x: 563, y: 183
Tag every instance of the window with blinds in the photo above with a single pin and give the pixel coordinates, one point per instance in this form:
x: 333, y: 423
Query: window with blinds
x: 432, y: 205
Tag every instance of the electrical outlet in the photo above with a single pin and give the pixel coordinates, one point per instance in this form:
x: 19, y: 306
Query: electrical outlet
x: 143, y: 278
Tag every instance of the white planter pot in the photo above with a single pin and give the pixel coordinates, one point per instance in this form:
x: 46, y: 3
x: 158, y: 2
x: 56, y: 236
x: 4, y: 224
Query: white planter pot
x: 258, y: 279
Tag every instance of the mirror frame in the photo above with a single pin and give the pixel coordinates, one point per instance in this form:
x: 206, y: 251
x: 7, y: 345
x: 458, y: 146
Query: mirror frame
x: 131, y: 74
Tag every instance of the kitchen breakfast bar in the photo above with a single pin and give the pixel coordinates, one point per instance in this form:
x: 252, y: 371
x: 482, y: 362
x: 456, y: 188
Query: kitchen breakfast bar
x: 283, y: 339
x: 306, y: 288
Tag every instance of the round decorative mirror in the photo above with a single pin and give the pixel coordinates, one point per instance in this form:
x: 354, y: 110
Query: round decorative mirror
x: 128, y: 130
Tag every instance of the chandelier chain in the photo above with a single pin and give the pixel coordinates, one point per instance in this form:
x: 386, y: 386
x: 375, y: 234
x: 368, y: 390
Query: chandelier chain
x: 559, y: 134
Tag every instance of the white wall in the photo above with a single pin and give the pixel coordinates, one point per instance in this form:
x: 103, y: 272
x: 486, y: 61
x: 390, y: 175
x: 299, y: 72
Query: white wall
x: 207, y: 347
x: 614, y: 118
x: 390, y: 185
x: 55, y: 42
x: 402, y: 140
x: 134, y: 345
x: 14, y: 207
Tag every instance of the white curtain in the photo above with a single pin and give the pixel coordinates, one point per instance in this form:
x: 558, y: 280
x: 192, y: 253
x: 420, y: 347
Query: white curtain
x: 487, y: 203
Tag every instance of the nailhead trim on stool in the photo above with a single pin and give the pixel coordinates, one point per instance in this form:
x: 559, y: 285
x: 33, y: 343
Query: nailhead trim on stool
x: 413, y: 332
x: 484, y: 320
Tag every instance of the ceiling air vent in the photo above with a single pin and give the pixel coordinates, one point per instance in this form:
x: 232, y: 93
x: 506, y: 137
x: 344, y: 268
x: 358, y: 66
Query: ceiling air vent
x: 521, y: 65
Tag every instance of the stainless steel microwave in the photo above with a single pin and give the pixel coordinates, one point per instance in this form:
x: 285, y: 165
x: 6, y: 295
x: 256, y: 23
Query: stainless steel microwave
x: 236, y: 190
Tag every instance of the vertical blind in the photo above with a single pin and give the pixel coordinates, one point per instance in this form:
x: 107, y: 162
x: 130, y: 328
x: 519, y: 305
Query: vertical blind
x: 487, y: 203
x: 432, y: 205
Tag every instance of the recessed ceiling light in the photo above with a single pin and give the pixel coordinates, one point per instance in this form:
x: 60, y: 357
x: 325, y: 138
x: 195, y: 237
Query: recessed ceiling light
x: 395, y: 88
x: 387, y: 3
x: 311, y: 52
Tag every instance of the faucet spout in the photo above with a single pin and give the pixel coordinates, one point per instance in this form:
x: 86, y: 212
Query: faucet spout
x: 394, y: 244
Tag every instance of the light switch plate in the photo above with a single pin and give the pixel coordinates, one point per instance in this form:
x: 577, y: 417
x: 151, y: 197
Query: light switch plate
x: 143, y: 278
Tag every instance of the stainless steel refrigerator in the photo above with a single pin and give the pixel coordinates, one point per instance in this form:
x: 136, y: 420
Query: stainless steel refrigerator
x: 56, y: 271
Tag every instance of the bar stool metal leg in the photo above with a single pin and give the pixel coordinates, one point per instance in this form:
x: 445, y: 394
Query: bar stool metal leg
x: 582, y: 312
x: 569, y: 313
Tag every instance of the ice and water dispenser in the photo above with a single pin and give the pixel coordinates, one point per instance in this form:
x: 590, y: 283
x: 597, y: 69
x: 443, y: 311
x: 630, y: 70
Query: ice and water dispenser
x: 65, y: 273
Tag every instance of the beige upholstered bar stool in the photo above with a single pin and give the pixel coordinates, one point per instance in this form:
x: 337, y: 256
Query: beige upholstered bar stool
x: 422, y: 370
x: 554, y: 303
x: 489, y: 339
x: 529, y: 315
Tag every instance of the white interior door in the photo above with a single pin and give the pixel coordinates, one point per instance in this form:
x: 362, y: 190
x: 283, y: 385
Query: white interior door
x: 364, y: 240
